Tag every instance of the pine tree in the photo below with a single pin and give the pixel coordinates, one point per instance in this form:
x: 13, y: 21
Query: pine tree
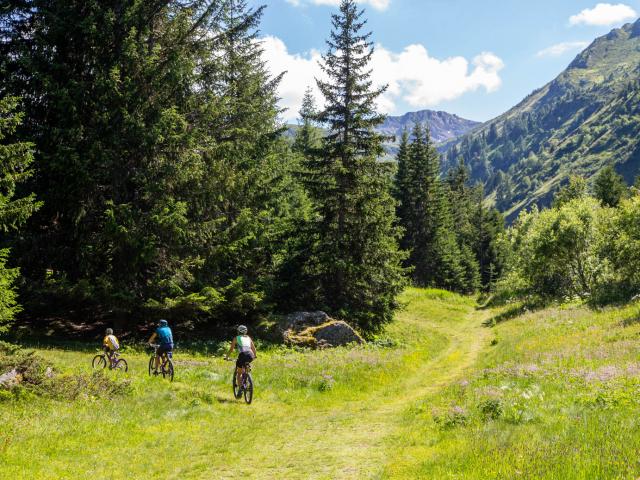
x: 488, y: 226
x: 609, y: 187
x: 401, y: 190
x: 356, y: 259
x: 461, y: 199
x: 108, y: 96
x: 15, y: 161
x: 158, y: 154
x: 249, y: 197
x: 307, y: 136
x: 434, y: 252
x: 576, y: 188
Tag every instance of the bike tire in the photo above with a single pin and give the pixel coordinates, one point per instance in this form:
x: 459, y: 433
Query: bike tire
x: 152, y: 365
x: 237, y: 391
x: 99, y: 362
x: 121, y: 365
x: 167, y: 370
x: 248, y: 390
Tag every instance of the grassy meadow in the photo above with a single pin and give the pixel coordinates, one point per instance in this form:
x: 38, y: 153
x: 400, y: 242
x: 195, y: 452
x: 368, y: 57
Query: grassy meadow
x: 546, y: 394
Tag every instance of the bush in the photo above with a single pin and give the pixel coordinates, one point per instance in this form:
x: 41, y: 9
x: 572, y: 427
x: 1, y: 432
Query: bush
x: 491, y: 409
x: 38, y: 377
x: 558, y: 252
x: 455, y: 417
x: 623, y: 247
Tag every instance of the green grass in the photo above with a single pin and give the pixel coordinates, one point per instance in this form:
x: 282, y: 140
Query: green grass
x: 547, y: 394
x: 557, y: 397
x: 304, y: 404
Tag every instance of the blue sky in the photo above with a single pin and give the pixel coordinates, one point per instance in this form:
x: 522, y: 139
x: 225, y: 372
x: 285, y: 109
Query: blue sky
x: 475, y: 58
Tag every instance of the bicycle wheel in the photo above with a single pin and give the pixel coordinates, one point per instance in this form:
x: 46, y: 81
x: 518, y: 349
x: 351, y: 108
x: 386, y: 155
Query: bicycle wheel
x: 99, y: 362
x: 237, y: 391
x: 152, y: 365
x: 248, y: 389
x: 167, y: 369
x: 121, y: 365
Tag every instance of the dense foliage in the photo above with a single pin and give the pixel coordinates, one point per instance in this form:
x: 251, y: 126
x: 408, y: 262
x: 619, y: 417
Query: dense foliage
x: 582, y: 247
x: 164, y: 180
x: 451, y: 237
x: 15, y: 161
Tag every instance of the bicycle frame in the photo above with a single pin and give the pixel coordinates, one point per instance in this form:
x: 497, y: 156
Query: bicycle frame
x: 111, y: 358
x: 164, y: 358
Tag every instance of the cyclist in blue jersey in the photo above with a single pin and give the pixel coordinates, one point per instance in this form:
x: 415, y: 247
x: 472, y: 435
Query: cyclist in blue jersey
x: 164, y: 337
x: 246, y: 351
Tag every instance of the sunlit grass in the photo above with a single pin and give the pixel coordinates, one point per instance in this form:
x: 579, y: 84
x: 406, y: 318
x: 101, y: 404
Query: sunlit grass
x: 193, y: 427
x: 550, y: 394
x: 556, y: 397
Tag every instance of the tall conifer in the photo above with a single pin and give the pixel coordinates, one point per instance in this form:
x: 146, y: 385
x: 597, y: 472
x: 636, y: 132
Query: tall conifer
x: 15, y: 163
x: 356, y: 257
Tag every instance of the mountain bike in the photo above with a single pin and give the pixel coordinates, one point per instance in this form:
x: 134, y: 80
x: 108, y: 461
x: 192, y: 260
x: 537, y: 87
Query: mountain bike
x: 114, y: 361
x: 246, y: 383
x: 166, y: 363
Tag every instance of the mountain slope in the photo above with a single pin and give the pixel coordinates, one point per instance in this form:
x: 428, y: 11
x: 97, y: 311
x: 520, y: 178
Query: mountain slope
x: 588, y: 117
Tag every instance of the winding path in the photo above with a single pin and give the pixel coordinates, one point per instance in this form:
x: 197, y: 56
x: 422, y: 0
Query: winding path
x: 351, y: 440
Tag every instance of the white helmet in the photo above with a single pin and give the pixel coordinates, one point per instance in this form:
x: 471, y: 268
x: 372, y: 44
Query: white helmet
x: 242, y: 329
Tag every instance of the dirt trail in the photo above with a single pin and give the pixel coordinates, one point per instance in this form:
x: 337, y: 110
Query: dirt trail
x: 347, y: 440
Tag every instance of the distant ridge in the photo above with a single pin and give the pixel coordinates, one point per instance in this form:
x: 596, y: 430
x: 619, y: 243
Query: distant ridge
x: 444, y: 126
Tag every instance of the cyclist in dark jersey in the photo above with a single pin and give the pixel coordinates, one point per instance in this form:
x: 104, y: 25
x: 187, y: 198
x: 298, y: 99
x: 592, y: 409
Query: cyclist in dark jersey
x: 246, y: 351
x: 164, y: 337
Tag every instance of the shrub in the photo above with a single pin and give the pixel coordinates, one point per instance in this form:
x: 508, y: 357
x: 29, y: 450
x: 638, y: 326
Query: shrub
x: 455, y: 417
x: 557, y: 252
x: 491, y: 409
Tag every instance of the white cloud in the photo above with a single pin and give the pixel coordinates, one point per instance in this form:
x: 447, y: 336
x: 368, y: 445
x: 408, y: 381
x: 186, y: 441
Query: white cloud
x: 560, y: 48
x: 413, y: 75
x: 604, y: 14
x: 377, y: 4
x: 424, y: 81
x: 301, y: 72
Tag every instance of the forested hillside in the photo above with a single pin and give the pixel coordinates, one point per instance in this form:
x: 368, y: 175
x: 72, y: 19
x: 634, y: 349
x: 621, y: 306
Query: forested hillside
x: 586, y: 118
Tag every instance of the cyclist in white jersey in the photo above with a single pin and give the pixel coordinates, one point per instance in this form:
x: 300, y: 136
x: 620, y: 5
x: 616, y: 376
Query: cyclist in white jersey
x: 246, y: 351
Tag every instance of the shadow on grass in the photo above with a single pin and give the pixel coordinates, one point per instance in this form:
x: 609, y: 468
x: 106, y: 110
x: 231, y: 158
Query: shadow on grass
x: 513, y: 311
x: 632, y: 319
x: 221, y: 399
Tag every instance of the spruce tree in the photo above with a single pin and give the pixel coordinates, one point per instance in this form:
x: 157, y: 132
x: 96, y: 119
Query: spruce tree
x: 356, y: 258
x: 108, y: 94
x: 401, y: 188
x: 249, y: 197
x: 609, y: 187
x: 158, y: 153
x: 307, y: 137
x: 462, y: 208
x: 15, y: 161
x: 434, y: 252
x: 488, y: 227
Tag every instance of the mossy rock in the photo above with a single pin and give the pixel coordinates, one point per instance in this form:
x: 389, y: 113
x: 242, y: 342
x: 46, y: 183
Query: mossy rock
x: 334, y: 333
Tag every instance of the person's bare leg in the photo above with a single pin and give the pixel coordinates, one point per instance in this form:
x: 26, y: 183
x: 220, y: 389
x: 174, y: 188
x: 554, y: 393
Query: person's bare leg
x: 239, y: 376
